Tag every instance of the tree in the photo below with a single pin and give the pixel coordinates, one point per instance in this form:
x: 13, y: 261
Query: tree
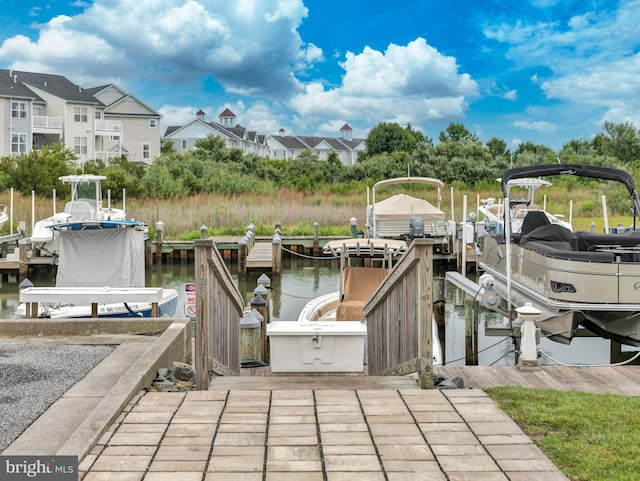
x: 391, y: 137
x: 619, y: 140
x: 497, y: 147
x: 457, y: 133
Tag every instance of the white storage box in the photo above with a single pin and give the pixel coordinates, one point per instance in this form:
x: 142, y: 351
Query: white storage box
x: 316, y: 346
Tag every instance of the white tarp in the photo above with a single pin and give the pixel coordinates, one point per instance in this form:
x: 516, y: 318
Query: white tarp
x: 101, y: 257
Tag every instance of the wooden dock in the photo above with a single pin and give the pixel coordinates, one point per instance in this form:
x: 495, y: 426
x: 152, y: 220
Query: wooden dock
x: 260, y: 256
x: 619, y: 380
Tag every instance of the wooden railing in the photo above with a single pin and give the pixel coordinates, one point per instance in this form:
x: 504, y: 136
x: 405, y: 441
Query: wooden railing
x: 219, y: 308
x: 399, y: 317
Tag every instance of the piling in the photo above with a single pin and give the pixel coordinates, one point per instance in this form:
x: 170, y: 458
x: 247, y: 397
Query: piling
x: 250, y: 335
x: 159, y: 238
x: 259, y: 304
x: 276, y: 253
x: 316, y: 239
x: 243, y: 251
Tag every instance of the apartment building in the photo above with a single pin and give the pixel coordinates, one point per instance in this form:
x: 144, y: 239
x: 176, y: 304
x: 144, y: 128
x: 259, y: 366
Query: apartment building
x: 97, y: 123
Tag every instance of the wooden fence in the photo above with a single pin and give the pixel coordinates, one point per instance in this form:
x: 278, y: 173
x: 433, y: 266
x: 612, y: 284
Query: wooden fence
x: 399, y: 317
x: 219, y: 308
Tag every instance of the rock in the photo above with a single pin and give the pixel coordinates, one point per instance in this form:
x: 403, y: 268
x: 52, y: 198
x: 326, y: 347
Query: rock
x: 458, y: 381
x: 183, y: 371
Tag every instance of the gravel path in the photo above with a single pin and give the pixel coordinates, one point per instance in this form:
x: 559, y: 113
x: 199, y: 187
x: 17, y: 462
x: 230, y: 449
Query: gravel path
x: 34, y: 376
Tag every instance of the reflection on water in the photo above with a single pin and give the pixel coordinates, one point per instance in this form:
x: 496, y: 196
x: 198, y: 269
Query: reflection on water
x: 303, y: 279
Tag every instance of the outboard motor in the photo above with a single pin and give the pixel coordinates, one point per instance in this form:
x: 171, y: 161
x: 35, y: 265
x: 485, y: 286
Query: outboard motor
x: 416, y: 227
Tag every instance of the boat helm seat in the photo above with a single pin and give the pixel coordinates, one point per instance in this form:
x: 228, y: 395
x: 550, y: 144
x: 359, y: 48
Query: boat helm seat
x: 533, y: 220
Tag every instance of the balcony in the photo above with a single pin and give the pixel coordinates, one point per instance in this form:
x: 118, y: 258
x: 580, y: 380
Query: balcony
x: 47, y: 125
x: 108, y: 127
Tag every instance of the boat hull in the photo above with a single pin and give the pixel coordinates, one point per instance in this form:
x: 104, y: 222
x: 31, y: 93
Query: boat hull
x: 602, y: 295
x: 167, y: 307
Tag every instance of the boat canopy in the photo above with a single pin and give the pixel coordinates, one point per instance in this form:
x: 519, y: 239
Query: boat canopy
x: 404, y: 207
x: 579, y: 170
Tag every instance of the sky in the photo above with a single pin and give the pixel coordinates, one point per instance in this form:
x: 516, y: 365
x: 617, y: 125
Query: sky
x: 541, y: 71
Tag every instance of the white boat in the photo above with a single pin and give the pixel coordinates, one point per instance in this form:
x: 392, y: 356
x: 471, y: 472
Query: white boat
x: 402, y: 216
x: 493, y: 213
x: 4, y: 217
x: 84, y: 208
x: 99, y: 265
x: 574, y: 279
x: 166, y: 306
x: 329, y: 334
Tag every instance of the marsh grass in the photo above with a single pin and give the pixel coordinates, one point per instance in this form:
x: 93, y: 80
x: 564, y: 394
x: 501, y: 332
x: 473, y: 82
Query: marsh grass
x: 590, y: 437
x: 297, y: 212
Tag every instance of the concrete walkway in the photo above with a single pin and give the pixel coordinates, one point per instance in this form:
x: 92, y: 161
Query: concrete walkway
x: 309, y: 434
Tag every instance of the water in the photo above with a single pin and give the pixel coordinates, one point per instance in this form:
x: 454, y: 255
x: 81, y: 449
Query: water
x: 302, y: 280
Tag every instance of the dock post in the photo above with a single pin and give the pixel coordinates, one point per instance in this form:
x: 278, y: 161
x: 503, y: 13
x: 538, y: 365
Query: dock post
x: 159, y: 228
x: 250, y: 336
x: 316, y: 239
x: 353, y: 224
x: 242, y: 255
x: 204, y: 231
x: 259, y: 304
x: 276, y: 253
x: 528, y: 347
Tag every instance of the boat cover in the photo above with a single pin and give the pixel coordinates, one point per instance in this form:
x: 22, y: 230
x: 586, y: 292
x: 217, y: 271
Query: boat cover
x: 404, y: 207
x: 101, y: 257
x: 358, y: 285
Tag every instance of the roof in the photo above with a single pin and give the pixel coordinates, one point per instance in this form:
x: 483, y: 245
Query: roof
x: 56, y: 85
x: 227, y: 113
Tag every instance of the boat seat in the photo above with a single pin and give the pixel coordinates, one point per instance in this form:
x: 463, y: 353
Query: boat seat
x: 533, y: 220
x: 588, y: 240
x: 81, y: 210
x: 553, y: 235
x: 358, y: 285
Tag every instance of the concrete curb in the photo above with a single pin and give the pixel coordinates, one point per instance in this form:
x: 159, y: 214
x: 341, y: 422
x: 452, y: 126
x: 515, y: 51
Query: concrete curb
x: 76, y: 421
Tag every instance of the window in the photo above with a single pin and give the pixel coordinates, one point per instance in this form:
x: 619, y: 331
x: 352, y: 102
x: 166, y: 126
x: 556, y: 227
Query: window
x: 19, y: 110
x: 146, y: 151
x: 80, y: 145
x: 184, y: 144
x: 80, y: 114
x: 38, y: 111
x: 98, y: 115
x: 18, y: 143
x: 114, y: 138
x: 153, y: 123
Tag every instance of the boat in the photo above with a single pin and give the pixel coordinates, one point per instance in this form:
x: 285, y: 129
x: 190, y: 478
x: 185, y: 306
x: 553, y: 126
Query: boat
x: 493, y: 213
x: 85, y: 208
x: 99, y: 268
x: 329, y: 334
x: 4, y: 217
x: 404, y: 217
x: 575, y: 279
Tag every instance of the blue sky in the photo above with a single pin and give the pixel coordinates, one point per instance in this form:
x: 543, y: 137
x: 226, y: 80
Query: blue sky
x: 545, y: 71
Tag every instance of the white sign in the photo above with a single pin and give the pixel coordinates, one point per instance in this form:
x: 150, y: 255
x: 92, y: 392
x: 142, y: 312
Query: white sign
x: 190, y: 300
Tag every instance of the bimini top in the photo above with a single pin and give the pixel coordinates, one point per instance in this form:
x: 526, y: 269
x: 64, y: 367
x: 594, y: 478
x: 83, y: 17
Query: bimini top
x: 579, y: 170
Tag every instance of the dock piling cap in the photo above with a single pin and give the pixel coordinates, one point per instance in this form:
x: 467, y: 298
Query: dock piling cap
x: 528, y: 310
x: 249, y: 321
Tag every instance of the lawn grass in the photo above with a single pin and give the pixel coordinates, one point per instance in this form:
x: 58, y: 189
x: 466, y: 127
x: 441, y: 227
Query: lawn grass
x: 590, y: 437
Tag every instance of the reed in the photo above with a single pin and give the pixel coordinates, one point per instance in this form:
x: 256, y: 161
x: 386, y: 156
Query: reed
x: 296, y: 211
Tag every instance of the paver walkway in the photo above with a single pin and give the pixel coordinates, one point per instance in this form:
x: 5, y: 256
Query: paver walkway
x: 309, y: 435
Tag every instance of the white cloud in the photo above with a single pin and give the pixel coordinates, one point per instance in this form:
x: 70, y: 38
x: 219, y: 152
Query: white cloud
x: 413, y: 83
x: 539, y: 126
x: 246, y: 46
